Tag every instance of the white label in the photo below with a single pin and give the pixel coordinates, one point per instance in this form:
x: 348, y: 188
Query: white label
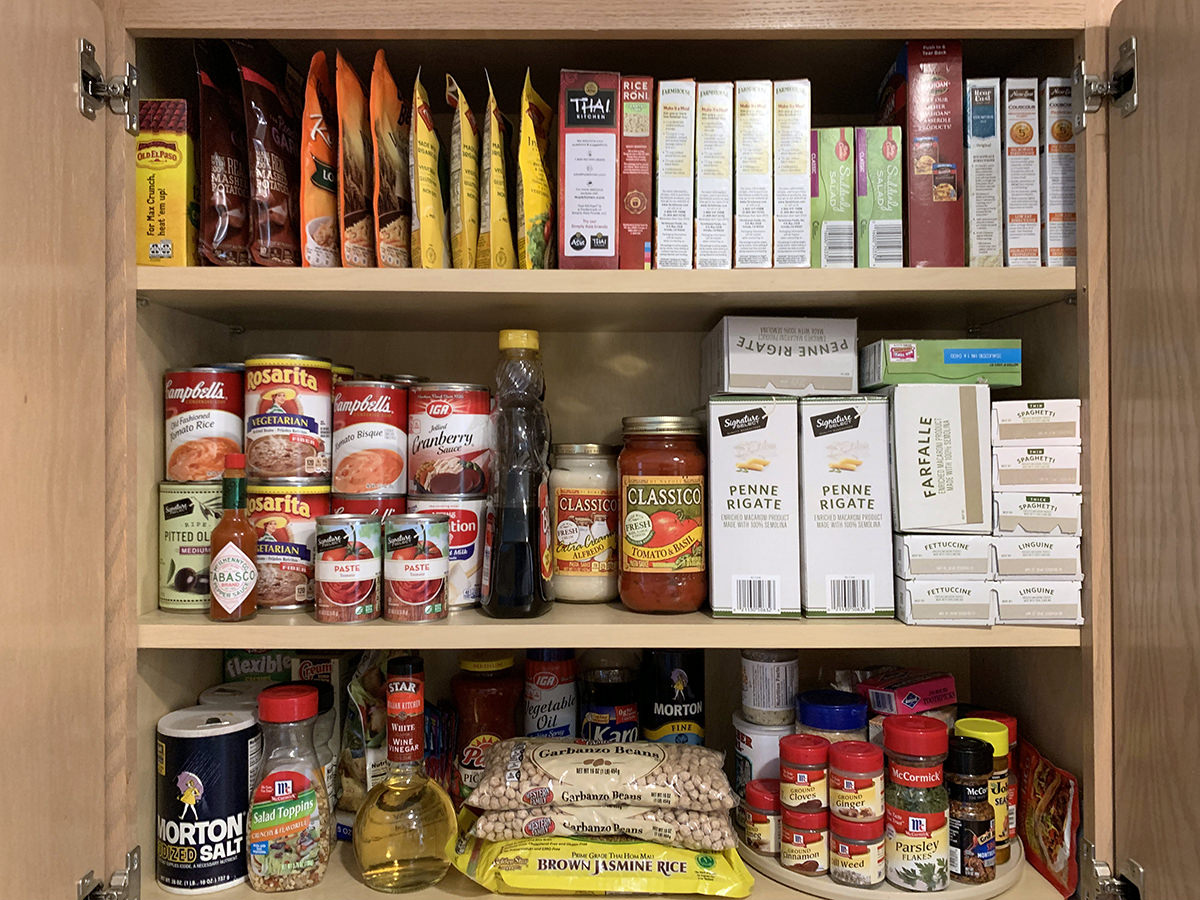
x: 412, y: 569
x: 383, y: 450
x: 348, y: 570
x: 675, y: 162
x: 769, y: 685
x: 752, y: 159
x: 714, y: 176
x: 793, y: 180
x: 231, y: 577
x: 886, y: 243
x: 589, y: 200
x: 837, y: 245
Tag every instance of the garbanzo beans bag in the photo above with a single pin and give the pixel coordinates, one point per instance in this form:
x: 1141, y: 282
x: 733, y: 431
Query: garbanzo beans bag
x: 494, y: 249
x: 430, y: 176
x: 393, y: 190
x: 535, y: 199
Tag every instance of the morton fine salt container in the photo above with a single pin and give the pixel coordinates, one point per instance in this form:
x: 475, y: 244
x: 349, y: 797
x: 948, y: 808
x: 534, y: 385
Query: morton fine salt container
x: 671, y: 710
x: 289, y: 411
x: 202, y: 415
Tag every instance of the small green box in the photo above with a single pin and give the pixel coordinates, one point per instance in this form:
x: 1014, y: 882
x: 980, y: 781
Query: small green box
x: 833, y: 198
x: 879, y: 192
x: 966, y: 361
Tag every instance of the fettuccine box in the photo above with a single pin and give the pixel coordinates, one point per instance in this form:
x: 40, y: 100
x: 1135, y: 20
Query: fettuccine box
x: 945, y: 601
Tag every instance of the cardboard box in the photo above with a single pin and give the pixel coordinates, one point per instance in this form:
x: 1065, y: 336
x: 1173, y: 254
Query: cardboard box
x: 752, y: 162
x: 923, y: 92
x: 166, y: 198
x: 793, y: 176
x: 897, y: 691
x: 962, y: 361
x: 985, y: 179
x: 753, y: 506
x: 780, y: 355
x: 948, y: 601
x: 1053, y: 470
x: 589, y: 129
x: 636, y: 172
x: 879, y: 192
x: 1044, y: 422
x: 714, y: 175
x: 941, y: 556
x: 1058, y: 172
x: 845, y: 499
x: 942, y: 457
x: 1022, y: 178
x: 674, y: 178
x: 335, y: 668
x: 1039, y: 514
x: 833, y: 198
x: 1037, y: 557
x: 1039, y: 602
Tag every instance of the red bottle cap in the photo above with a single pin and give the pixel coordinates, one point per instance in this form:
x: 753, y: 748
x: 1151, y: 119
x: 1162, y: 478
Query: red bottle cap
x: 856, y: 756
x: 763, y: 794
x: 287, y: 703
x: 915, y: 735
x: 235, y: 460
x: 804, y: 749
x: 808, y: 821
x: 1008, y: 721
x: 856, y: 831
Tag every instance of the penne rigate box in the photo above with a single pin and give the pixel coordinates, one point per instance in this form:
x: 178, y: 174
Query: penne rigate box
x: 780, y: 355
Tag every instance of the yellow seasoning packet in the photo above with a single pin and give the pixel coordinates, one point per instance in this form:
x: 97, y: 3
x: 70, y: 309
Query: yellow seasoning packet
x: 430, y: 177
x: 464, y: 179
x: 390, y: 126
x: 535, y: 200
x: 495, y: 246
x: 355, y: 206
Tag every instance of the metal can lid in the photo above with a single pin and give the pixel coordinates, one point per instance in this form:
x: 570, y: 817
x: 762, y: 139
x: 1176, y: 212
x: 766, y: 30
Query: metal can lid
x: 206, y: 721
x: 441, y: 499
x: 214, y: 368
x: 368, y: 382
x: 233, y: 695
x: 334, y: 519
x: 286, y: 486
x: 584, y: 450
x: 266, y: 359
x: 660, y: 425
x: 449, y: 386
x: 413, y: 518
x: 402, y: 378
x: 343, y: 367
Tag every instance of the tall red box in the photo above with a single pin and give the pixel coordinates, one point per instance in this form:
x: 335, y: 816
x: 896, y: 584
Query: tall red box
x: 589, y: 128
x: 637, y: 171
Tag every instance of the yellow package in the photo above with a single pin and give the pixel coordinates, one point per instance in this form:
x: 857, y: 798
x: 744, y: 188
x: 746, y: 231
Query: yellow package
x: 318, y: 170
x: 430, y: 184
x: 464, y: 179
x: 167, y: 199
x: 393, y: 199
x: 355, y: 206
x: 495, y: 247
x: 535, y: 202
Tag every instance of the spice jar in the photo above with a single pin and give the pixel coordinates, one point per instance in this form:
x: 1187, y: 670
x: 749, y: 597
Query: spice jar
x: 856, y: 852
x: 804, y: 842
x: 803, y: 772
x: 584, y: 503
x: 833, y: 715
x: 917, y: 839
x: 1009, y: 722
x: 662, y: 551
x: 760, y: 814
x: 972, y: 819
x: 995, y: 734
x: 856, y: 781
x: 769, y: 686
x: 487, y: 693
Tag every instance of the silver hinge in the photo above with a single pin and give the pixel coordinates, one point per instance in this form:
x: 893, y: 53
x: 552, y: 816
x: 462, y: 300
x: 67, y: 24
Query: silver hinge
x: 119, y: 94
x: 1097, y: 881
x: 1089, y: 91
x: 123, y: 884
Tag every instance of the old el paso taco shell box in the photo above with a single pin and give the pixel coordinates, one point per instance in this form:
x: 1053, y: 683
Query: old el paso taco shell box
x: 167, y: 198
x: 589, y: 128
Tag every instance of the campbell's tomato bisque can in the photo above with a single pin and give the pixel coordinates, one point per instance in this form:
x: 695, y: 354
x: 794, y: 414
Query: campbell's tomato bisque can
x: 416, y: 560
x: 284, y: 512
x: 381, y: 505
x: 348, y: 568
x: 468, y: 528
x: 370, y: 440
x: 289, y: 401
x: 202, y: 414
x: 449, y: 439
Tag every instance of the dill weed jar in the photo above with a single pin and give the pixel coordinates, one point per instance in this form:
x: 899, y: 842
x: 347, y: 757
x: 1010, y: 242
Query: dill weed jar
x: 916, y: 805
x: 972, y: 818
x: 856, y: 852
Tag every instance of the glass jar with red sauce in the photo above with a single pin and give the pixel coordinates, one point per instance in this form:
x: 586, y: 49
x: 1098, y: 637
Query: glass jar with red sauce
x: 487, y: 691
x: 662, y: 549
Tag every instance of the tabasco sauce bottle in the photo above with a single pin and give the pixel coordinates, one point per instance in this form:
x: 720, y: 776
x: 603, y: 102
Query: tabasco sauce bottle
x: 233, y: 572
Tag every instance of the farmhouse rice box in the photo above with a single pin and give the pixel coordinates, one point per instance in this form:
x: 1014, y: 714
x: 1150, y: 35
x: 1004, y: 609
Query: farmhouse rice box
x: 752, y: 167
x: 589, y: 128
x: 636, y: 172
x: 674, y: 167
x: 1022, y: 178
x: 985, y: 184
x: 714, y: 175
x: 1058, y: 172
x: 793, y: 179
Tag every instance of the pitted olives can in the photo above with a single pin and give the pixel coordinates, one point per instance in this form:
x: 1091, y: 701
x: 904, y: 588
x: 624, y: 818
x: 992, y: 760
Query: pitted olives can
x: 186, y: 516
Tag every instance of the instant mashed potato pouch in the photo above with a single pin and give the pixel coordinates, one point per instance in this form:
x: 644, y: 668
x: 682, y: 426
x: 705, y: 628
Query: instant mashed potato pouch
x: 464, y: 178
x: 494, y: 249
x: 430, y: 176
x: 318, y: 174
x: 535, y: 200
x: 354, y: 170
x: 393, y: 190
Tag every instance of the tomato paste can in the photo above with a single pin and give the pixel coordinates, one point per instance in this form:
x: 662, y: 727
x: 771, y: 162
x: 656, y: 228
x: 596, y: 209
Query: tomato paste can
x: 186, y: 516
x: 468, y: 530
x: 370, y: 440
x: 381, y: 505
x: 449, y: 439
x: 289, y: 413
x: 284, y: 512
x: 416, y: 564
x: 202, y: 415
x: 348, y: 568
x: 206, y: 759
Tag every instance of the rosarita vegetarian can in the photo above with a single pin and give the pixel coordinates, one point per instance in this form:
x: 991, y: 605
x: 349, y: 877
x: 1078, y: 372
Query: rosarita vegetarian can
x: 284, y: 512
x: 416, y: 563
x: 449, y: 438
x: 370, y: 439
x: 205, y: 763
x: 468, y: 530
x: 186, y: 516
x: 202, y: 419
x: 289, y: 413
x: 348, y: 568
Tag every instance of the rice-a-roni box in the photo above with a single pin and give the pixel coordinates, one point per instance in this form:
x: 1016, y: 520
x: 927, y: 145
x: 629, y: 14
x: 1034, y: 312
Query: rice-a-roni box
x: 166, y: 199
x: 778, y: 354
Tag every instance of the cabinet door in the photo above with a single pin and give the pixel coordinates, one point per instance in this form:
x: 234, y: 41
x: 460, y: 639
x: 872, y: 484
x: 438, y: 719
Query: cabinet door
x: 1154, y: 183
x: 52, y: 528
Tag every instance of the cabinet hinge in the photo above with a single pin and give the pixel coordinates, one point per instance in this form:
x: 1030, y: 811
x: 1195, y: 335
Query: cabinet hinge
x: 1098, y: 882
x: 119, y: 94
x: 1089, y: 91
x: 123, y: 884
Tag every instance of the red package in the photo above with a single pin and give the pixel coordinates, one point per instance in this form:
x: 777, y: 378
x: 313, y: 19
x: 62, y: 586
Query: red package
x: 589, y: 126
x: 1048, y: 818
x: 637, y: 170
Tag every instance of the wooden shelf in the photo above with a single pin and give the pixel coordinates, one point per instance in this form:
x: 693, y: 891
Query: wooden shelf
x: 485, y: 300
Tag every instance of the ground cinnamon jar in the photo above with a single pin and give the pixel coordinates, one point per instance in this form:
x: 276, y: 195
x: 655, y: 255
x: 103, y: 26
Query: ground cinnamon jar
x: 804, y: 843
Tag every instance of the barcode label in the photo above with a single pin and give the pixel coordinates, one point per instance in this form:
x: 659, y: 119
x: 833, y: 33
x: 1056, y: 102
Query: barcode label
x: 837, y: 245
x: 882, y: 702
x: 885, y: 249
x: 849, y: 595
x: 755, y: 595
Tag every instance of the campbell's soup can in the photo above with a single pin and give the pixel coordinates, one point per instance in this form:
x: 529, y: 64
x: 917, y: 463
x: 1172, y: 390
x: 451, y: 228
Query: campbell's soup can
x: 449, y: 439
x: 381, y: 505
x: 370, y: 440
x: 416, y: 561
x: 347, y: 569
x: 289, y: 414
x: 186, y: 516
x: 284, y: 512
x: 202, y: 415
x: 468, y: 529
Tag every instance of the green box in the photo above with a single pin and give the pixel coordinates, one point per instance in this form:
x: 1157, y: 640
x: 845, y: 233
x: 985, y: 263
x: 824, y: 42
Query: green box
x: 879, y: 193
x: 833, y: 198
x: 966, y: 361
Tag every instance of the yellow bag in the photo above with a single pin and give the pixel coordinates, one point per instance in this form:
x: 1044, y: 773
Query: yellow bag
x: 464, y: 179
x: 495, y: 247
x: 430, y: 178
x: 535, y: 201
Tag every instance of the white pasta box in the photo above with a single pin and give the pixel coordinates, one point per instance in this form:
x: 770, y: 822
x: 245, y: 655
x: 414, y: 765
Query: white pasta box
x: 985, y: 188
x: 1049, y: 423
x: 1055, y: 470
x: 955, y: 556
x: 942, y: 458
x: 945, y: 601
x: 1058, y: 172
x: 752, y: 167
x: 1037, y: 556
x: 674, y: 173
x: 1022, y: 175
x: 1039, y: 602
x: 753, y: 505
x: 793, y: 179
x: 1040, y: 514
x: 846, y: 507
x: 714, y: 175
x: 780, y: 355
x: 833, y: 198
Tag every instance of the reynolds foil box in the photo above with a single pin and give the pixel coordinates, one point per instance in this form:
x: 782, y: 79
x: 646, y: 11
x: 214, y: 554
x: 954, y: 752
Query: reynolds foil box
x: 1039, y: 602
x: 714, y: 175
x: 956, y: 556
x: 878, y: 196
x: 1037, y: 556
x: 1038, y: 513
x: 985, y: 180
x: 960, y: 361
x: 1044, y: 422
x: 1054, y: 470
x: 674, y: 182
x: 792, y: 118
x: 945, y: 601
x: 752, y: 167
x: 1022, y: 176
x: 784, y: 355
x: 1058, y: 172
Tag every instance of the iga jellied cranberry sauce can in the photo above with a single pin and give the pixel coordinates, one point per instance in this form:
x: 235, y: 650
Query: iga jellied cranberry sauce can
x: 370, y: 440
x: 449, y: 439
x: 202, y: 415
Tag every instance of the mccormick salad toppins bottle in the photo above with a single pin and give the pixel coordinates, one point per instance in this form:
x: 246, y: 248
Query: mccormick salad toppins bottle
x: 233, y: 572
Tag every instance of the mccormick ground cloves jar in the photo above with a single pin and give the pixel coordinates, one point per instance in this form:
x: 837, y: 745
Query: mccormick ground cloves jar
x: 803, y: 772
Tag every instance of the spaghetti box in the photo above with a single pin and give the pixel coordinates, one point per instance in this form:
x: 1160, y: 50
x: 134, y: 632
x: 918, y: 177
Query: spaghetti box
x: 779, y: 355
x: 793, y: 181
x: 753, y: 104
x: 674, y: 180
x: 985, y: 199
x: 1058, y: 172
x: 589, y: 129
x: 959, y: 361
x: 896, y: 691
x: 714, y: 175
x: 1054, y: 470
x: 936, y: 556
x: 879, y: 190
x: 833, y: 198
x: 1022, y: 177
x: 1049, y: 423
x: 944, y: 601
x: 636, y: 172
x: 166, y: 199
x: 1039, y: 602
x: 1039, y: 514
x: 1038, y: 556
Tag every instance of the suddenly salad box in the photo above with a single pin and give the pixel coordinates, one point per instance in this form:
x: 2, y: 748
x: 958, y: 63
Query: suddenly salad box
x: 879, y: 194
x: 833, y: 198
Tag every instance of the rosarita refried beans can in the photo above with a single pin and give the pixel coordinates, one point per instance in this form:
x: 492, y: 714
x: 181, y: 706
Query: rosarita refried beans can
x: 289, y: 403
x: 284, y: 513
x: 349, y: 567
x: 370, y: 440
x: 449, y: 439
x: 202, y: 412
